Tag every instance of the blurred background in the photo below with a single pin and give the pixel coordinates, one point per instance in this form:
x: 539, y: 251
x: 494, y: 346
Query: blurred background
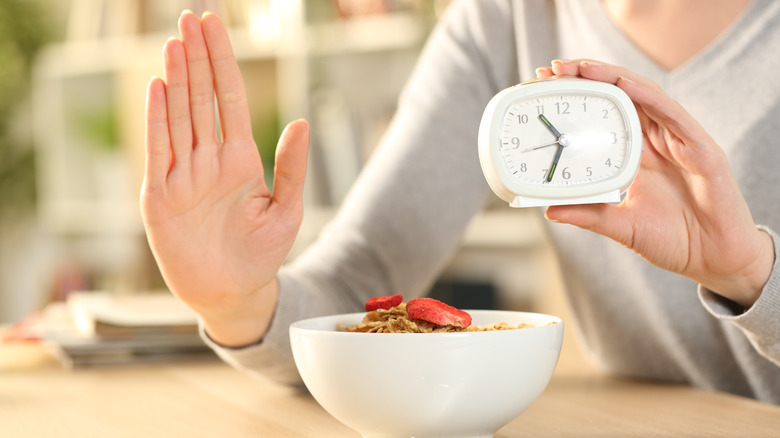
x: 73, y: 75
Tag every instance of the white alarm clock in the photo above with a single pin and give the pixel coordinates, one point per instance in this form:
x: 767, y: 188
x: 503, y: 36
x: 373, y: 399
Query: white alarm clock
x: 560, y: 141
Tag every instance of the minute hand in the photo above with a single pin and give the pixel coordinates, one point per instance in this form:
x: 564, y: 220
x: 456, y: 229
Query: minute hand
x: 561, y: 144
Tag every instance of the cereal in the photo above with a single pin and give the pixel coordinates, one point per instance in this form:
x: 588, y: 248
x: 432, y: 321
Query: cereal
x: 396, y: 320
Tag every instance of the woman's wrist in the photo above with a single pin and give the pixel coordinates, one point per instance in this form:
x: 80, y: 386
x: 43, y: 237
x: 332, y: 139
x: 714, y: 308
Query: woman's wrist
x: 248, y: 324
x: 746, y: 288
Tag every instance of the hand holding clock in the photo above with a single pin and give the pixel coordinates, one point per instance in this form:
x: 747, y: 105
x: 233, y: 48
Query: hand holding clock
x: 685, y: 212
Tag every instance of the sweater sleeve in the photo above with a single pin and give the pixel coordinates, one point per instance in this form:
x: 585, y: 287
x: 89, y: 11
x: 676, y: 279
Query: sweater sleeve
x: 759, y: 323
x: 407, y: 211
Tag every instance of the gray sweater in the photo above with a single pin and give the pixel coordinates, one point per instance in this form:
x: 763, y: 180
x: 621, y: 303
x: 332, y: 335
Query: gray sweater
x: 406, y: 213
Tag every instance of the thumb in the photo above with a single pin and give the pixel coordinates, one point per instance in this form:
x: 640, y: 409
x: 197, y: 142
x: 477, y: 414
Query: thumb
x: 290, y: 168
x: 609, y: 220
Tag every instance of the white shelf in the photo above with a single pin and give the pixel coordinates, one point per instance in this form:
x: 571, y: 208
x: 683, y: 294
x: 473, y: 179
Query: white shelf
x: 68, y: 202
x: 366, y: 34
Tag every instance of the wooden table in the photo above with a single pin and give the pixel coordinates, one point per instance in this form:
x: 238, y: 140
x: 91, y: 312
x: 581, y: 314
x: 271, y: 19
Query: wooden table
x: 38, y: 398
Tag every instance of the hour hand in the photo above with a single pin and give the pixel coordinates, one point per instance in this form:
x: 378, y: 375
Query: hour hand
x: 550, y: 127
x: 560, y: 140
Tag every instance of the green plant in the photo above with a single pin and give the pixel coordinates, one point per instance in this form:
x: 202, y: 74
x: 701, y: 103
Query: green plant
x: 23, y: 31
x: 266, y: 131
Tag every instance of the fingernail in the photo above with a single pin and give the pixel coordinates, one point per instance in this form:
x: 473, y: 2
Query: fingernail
x: 541, y: 71
x: 561, y: 61
x: 583, y: 63
x: 623, y: 78
x: 548, y: 218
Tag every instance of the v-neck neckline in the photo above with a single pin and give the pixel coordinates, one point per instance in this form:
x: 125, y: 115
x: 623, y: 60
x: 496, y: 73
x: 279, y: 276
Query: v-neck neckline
x: 704, y: 57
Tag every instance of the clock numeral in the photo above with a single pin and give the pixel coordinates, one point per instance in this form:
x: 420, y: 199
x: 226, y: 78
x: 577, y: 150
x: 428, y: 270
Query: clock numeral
x: 515, y: 142
x: 606, y: 114
x: 539, y: 109
x: 562, y: 107
x: 565, y: 173
x: 522, y: 119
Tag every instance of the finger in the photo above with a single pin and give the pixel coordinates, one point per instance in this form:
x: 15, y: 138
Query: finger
x: 666, y: 111
x: 671, y: 123
x: 177, y: 89
x: 231, y: 96
x: 290, y: 168
x: 158, y: 150
x: 654, y: 144
x: 653, y: 100
x: 606, y: 219
x: 565, y: 67
x: 201, y: 86
x: 544, y: 72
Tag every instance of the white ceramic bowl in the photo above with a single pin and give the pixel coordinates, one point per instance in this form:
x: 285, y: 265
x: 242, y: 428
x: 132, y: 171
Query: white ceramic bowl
x: 427, y: 385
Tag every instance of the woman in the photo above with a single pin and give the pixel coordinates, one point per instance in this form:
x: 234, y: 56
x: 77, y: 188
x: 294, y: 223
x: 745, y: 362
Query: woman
x: 683, y: 288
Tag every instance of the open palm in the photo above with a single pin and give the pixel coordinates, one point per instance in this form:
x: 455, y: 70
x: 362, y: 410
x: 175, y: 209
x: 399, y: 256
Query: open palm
x: 217, y: 232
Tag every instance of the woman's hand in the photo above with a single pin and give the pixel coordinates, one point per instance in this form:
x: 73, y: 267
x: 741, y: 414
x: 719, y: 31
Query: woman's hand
x: 685, y: 212
x: 218, y: 234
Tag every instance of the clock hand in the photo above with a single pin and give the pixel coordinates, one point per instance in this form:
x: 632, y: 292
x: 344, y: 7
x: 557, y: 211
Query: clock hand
x: 554, y: 164
x: 562, y: 143
x: 550, y: 127
x: 540, y: 146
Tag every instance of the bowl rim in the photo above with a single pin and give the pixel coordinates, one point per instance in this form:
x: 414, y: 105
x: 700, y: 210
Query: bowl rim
x: 299, y: 325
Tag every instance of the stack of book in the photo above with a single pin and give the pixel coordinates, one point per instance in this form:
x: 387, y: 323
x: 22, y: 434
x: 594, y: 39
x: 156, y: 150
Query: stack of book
x: 98, y: 328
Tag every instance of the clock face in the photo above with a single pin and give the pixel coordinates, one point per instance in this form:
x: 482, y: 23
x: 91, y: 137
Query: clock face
x: 560, y: 141
x: 587, y: 132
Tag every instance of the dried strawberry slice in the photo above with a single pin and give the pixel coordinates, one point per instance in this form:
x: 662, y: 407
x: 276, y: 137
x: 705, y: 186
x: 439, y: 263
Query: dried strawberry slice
x: 436, y: 312
x: 384, y: 302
